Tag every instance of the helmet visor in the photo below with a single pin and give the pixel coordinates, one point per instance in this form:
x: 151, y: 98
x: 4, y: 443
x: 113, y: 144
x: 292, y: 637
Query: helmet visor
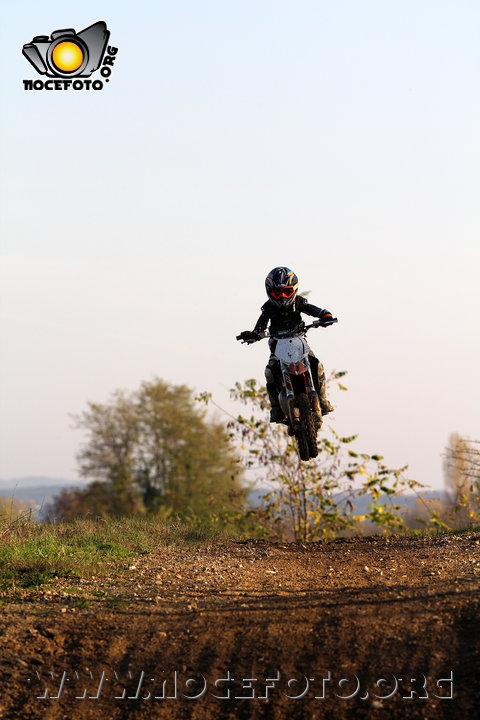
x: 282, y: 292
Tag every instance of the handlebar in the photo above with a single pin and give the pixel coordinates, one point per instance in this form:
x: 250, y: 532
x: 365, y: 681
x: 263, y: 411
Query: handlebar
x: 246, y: 335
x: 322, y: 323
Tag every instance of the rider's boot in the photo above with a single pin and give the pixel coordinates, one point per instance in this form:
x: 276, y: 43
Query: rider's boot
x: 276, y: 412
x: 325, y: 404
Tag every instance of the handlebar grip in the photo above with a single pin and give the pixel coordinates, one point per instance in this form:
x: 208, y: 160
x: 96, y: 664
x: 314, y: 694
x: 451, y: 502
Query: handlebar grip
x: 325, y: 322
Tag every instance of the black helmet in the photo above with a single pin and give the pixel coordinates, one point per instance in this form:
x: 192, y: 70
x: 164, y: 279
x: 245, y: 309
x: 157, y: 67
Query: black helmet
x: 281, y: 285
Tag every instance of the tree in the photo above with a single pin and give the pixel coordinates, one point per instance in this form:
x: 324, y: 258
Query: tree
x: 462, y: 477
x: 108, y: 457
x: 153, y: 451
x: 313, y: 500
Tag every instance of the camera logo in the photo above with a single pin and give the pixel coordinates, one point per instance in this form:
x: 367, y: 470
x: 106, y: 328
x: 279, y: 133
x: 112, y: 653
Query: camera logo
x: 67, y: 54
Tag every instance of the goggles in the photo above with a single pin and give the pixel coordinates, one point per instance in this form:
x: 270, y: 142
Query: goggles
x: 282, y: 292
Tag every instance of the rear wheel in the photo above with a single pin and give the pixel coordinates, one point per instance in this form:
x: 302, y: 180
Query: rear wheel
x: 309, y: 425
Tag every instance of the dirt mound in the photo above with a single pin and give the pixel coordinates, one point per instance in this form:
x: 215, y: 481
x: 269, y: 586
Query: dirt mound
x: 365, y: 628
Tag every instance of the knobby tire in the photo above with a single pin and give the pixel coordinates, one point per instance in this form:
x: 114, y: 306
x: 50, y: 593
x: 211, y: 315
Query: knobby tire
x: 309, y: 427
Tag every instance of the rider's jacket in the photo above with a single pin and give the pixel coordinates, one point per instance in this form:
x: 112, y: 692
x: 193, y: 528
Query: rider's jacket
x: 289, y: 318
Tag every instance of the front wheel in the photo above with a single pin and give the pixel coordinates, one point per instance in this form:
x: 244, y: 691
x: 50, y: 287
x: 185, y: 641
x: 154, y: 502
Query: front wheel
x: 302, y: 442
x: 307, y: 435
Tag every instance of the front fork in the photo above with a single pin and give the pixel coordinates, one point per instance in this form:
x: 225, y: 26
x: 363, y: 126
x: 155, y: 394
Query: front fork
x: 293, y: 410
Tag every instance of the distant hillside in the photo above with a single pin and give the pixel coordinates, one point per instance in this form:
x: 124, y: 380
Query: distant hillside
x: 361, y: 503
x: 36, y: 481
x: 40, y: 491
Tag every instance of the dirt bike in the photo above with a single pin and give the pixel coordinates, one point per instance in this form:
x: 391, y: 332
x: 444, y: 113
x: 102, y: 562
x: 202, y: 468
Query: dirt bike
x: 297, y: 391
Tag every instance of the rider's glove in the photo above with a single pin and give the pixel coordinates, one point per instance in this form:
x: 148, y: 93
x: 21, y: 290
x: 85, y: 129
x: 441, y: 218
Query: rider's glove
x: 326, y: 318
x: 249, y: 336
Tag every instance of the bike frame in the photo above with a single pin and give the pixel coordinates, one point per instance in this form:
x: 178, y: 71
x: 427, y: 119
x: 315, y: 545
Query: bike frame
x: 296, y: 378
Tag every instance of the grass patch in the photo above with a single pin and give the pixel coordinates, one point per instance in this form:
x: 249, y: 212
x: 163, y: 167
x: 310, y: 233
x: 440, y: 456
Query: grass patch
x: 116, y: 602
x: 81, y: 603
x: 33, y: 554
x: 463, y: 530
x: 440, y: 531
x: 40, y: 553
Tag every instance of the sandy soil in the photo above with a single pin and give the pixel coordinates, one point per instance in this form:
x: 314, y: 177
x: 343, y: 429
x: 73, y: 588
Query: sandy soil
x: 254, y: 623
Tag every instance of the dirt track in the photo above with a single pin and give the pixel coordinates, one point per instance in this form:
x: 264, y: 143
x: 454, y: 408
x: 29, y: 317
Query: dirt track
x: 368, y: 608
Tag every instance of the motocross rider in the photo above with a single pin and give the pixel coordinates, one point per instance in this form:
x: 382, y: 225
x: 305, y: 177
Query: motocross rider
x: 283, y: 310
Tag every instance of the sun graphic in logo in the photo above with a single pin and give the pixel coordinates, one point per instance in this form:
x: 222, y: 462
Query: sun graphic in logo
x: 67, y: 56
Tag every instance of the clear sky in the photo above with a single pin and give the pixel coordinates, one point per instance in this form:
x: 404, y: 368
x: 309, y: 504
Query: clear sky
x: 138, y: 223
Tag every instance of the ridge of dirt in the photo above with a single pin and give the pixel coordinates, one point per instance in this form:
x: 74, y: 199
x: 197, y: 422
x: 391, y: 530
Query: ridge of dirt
x: 260, y: 622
